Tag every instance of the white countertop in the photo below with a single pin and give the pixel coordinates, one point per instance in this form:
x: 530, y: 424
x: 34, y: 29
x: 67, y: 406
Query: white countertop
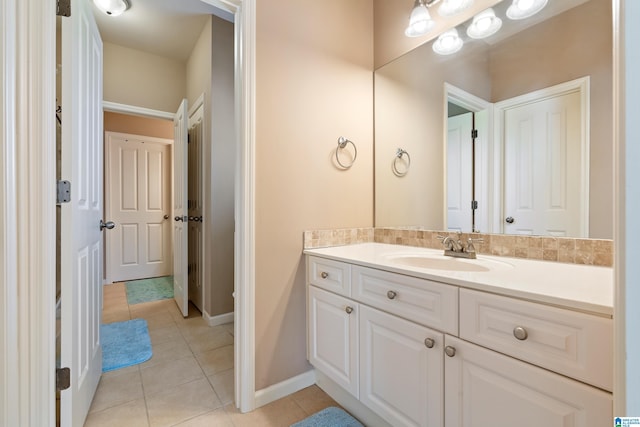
x: 578, y: 287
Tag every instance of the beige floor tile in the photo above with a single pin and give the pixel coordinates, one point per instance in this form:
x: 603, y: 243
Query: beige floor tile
x: 131, y: 414
x: 167, y: 333
x: 217, y: 418
x: 192, y: 327
x: 151, y: 308
x: 166, y: 351
x: 156, y: 320
x: 181, y: 403
x: 129, y: 370
x: 229, y: 327
x: 215, y: 361
x: 115, y: 315
x: 114, y: 390
x: 313, y: 399
x: 166, y: 375
x: 223, y: 385
x: 209, y: 339
x: 281, y: 413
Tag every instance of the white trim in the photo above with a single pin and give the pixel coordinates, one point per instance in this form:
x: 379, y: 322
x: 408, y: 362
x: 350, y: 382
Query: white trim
x: 581, y: 85
x: 285, y: 388
x: 136, y: 111
x: 220, y: 319
x: 194, y: 108
x: 476, y: 104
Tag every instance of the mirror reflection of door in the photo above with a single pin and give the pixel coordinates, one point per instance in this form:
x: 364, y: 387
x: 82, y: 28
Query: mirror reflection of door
x: 460, y: 188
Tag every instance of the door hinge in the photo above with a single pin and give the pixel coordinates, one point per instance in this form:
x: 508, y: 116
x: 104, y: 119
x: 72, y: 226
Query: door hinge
x: 63, y: 378
x: 474, y: 133
x: 63, y: 192
x: 63, y: 7
x: 474, y: 204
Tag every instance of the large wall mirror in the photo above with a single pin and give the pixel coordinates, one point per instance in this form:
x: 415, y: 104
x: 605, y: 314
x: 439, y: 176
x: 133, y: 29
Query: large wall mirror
x: 538, y: 94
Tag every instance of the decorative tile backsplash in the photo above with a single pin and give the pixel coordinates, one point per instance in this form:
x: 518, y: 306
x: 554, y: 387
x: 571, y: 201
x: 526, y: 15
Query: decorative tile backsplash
x: 560, y: 249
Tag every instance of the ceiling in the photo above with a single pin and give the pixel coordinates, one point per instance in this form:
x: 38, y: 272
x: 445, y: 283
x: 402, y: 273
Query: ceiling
x: 168, y: 28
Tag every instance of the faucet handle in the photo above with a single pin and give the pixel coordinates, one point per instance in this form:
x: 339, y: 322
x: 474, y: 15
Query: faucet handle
x: 470, y: 245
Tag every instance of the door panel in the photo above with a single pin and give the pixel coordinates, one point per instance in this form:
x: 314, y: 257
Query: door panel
x: 459, y: 173
x: 81, y: 237
x: 139, y: 198
x: 180, y: 209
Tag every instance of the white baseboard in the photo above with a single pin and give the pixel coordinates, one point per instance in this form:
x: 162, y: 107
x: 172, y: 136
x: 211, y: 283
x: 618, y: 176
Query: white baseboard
x: 285, y: 388
x: 220, y: 319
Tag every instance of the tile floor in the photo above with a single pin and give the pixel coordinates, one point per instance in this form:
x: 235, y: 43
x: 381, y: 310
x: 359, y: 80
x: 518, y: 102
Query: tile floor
x: 189, y: 380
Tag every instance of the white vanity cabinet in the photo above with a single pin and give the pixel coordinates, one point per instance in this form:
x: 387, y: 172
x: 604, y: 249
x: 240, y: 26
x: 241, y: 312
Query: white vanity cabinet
x: 486, y: 388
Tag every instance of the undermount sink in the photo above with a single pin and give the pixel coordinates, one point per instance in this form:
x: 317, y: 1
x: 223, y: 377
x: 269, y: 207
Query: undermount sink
x: 441, y: 262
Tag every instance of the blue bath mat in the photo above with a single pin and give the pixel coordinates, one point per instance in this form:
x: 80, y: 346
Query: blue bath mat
x: 329, y: 417
x: 125, y: 344
x: 146, y: 290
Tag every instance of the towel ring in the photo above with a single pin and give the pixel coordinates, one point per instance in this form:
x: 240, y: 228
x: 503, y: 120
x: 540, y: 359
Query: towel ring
x: 399, y: 154
x: 342, y: 143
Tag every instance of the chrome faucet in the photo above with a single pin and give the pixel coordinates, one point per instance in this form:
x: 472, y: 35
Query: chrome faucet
x: 455, y: 248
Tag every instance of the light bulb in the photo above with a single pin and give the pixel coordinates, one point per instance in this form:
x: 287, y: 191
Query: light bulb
x: 521, y: 9
x: 484, y: 24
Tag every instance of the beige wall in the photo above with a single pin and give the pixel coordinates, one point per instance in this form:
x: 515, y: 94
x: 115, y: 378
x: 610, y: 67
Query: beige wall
x: 574, y: 44
x: 391, y: 18
x: 198, y: 67
x: 313, y: 84
x: 222, y: 171
x: 142, y: 79
x: 136, y: 125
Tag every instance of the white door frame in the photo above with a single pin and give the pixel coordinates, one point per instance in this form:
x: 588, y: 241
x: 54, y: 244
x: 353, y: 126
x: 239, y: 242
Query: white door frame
x: 580, y: 85
x: 107, y: 185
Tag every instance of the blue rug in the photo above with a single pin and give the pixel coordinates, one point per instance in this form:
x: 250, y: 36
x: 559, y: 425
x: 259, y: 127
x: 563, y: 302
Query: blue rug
x: 124, y: 344
x: 329, y: 417
x: 146, y: 290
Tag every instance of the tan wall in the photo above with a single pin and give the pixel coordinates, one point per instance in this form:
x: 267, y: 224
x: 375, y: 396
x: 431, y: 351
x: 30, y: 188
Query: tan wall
x: 314, y: 83
x: 574, y: 44
x: 136, y: 125
x: 198, y: 67
x: 142, y: 79
x: 391, y: 18
x: 223, y: 148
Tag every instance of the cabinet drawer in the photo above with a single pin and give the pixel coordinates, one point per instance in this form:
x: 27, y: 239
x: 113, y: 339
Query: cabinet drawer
x: 575, y: 344
x: 334, y: 276
x: 422, y: 301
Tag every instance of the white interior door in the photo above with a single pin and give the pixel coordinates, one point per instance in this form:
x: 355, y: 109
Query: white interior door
x: 459, y: 173
x: 139, y: 202
x: 180, y: 208
x: 543, y: 167
x: 81, y: 236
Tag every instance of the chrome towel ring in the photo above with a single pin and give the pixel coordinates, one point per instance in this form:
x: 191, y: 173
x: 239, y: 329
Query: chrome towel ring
x: 399, y: 155
x: 342, y: 143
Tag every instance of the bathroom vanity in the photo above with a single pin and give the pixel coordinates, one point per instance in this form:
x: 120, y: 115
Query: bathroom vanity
x: 422, y: 339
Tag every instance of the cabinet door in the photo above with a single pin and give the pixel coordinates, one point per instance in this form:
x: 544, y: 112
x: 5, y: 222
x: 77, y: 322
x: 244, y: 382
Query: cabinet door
x: 485, y: 388
x: 401, y: 369
x: 333, y: 337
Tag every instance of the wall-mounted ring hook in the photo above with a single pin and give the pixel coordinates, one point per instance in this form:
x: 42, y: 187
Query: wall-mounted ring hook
x: 342, y: 144
x: 400, y: 153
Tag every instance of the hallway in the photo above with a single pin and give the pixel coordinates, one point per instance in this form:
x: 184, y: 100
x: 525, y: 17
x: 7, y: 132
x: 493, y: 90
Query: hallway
x: 189, y: 379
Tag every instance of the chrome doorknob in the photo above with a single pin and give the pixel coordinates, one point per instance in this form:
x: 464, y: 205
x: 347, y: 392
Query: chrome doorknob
x: 509, y: 220
x: 109, y: 225
x: 178, y: 218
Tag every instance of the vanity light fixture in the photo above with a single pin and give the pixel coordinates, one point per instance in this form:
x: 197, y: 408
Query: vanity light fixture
x: 420, y: 21
x: 521, y: 9
x: 453, y: 7
x: 448, y: 43
x: 112, y: 7
x: 484, y: 24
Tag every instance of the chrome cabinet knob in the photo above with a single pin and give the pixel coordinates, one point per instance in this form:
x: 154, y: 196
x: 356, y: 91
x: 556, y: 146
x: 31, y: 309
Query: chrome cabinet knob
x: 324, y: 274
x: 450, y: 351
x: 520, y: 333
x: 391, y: 294
x: 109, y: 225
x: 509, y: 220
x: 349, y: 310
x: 429, y: 342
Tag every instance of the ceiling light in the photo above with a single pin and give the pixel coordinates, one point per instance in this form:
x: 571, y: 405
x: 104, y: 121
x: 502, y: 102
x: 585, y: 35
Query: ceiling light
x: 112, y: 7
x: 449, y: 42
x: 484, y: 24
x: 521, y: 9
x: 420, y: 21
x: 453, y: 7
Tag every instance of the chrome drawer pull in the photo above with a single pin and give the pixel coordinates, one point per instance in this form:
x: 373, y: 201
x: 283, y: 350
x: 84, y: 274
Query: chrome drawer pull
x: 391, y: 294
x: 324, y: 274
x: 429, y: 342
x: 450, y: 351
x: 349, y: 310
x: 520, y: 333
